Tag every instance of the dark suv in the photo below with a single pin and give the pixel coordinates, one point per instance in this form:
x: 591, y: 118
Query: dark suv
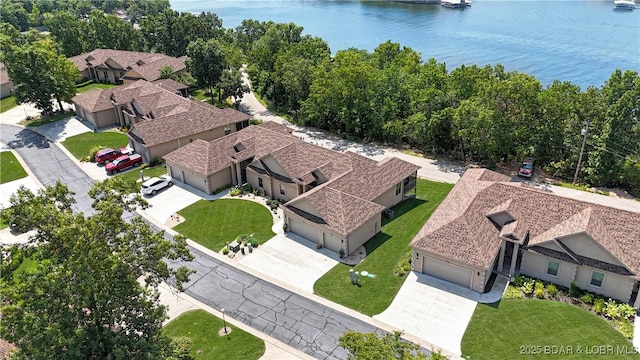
x: 526, y: 169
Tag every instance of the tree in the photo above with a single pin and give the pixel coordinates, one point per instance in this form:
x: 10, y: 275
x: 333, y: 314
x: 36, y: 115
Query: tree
x: 70, y: 32
x: 206, y: 62
x: 372, y: 346
x: 94, y: 293
x: 231, y: 85
x: 111, y: 32
x: 40, y: 74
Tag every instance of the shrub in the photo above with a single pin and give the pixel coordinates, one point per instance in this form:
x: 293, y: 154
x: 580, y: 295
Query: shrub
x: 574, y: 290
x: 247, y: 188
x: 225, y: 250
x: 519, y: 281
x: 144, y: 166
x: 513, y: 293
x: 254, y: 244
x: 598, y: 306
x: 611, y: 309
x: 552, y: 290
x: 625, y: 327
x: 92, y: 153
x: 626, y: 311
x: 255, y: 121
x: 539, y: 291
x: 156, y: 161
x: 527, y: 287
x: 587, y: 298
x: 235, y: 191
x: 402, y: 268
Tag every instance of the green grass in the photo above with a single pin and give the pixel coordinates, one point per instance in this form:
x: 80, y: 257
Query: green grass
x: 202, y: 328
x: 214, y: 223
x: 27, y: 265
x: 88, y: 87
x: 384, y: 252
x: 42, y: 121
x: 148, y: 173
x: 7, y: 103
x: 11, y: 168
x: 510, y: 327
x: 582, y: 188
x: 80, y: 145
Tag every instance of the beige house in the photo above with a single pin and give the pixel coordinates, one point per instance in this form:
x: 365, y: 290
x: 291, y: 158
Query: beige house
x: 161, y: 121
x: 488, y: 224
x: 121, y: 66
x: 333, y: 199
x: 6, y: 85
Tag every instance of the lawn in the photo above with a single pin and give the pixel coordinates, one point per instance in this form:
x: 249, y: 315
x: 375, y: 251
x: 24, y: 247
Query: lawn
x: 7, y: 103
x: 384, y: 252
x: 148, y: 173
x: 11, y: 168
x: 80, y: 145
x: 202, y: 328
x: 214, y: 223
x: 88, y: 87
x: 527, y: 328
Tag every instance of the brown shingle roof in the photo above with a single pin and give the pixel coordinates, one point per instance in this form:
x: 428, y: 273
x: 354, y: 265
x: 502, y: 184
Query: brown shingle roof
x: 343, y: 207
x: 126, y: 59
x: 544, y: 216
x: 340, y: 211
x: 4, y: 75
x: 171, y: 85
x: 151, y: 71
x: 94, y: 100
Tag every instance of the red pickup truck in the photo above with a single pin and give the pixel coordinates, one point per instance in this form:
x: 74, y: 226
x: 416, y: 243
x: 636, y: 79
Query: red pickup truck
x: 123, y: 162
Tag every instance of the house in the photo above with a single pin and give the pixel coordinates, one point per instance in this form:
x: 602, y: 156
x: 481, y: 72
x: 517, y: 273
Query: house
x: 488, y: 224
x: 333, y: 199
x: 160, y: 120
x: 6, y: 85
x: 120, y: 66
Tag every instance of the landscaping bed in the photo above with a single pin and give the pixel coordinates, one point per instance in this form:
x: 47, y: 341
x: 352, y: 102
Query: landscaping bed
x: 541, y: 329
x: 619, y: 315
x: 214, y: 223
x: 201, y: 329
x: 11, y: 168
x: 387, y: 254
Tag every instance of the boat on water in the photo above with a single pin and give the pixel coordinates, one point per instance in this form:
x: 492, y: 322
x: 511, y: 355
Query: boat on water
x: 624, y: 4
x: 456, y: 4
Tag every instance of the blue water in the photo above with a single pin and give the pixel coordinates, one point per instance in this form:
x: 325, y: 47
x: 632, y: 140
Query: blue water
x: 570, y: 40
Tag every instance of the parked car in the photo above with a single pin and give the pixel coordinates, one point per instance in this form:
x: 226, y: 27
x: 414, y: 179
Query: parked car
x: 105, y: 156
x: 155, y: 184
x: 123, y: 162
x: 526, y: 169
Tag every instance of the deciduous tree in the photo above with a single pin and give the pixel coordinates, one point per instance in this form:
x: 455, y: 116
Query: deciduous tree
x: 94, y: 292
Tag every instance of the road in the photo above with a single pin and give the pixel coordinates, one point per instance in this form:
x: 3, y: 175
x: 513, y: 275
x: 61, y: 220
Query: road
x: 288, y: 317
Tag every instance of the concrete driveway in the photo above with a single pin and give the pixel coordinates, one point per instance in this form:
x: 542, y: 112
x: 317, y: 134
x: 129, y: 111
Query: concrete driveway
x: 62, y: 129
x: 292, y: 260
x: 424, y: 309
x: 168, y: 201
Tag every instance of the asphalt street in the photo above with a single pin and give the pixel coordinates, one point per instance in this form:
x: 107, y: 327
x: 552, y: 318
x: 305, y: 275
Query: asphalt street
x: 288, y: 317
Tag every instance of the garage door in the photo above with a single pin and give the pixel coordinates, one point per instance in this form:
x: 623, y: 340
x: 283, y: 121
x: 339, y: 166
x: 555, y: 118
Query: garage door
x: 194, y: 181
x: 450, y: 272
x: 303, y: 230
x: 331, y: 242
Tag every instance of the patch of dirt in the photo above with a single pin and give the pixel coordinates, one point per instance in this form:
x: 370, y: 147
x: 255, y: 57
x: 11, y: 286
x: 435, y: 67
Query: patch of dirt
x: 174, y: 220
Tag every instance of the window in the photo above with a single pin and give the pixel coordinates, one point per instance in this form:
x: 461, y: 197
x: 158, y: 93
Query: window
x: 227, y: 129
x: 597, y: 279
x: 553, y: 268
x: 106, y: 75
x: 260, y: 185
x: 398, y: 188
x: 282, y: 189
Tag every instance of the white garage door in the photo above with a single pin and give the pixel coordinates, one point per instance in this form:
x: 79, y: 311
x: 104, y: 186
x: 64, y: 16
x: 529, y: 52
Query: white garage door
x: 450, y: 272
x: 194, y: 181
x: 331, y: 242
x: 303, y: 230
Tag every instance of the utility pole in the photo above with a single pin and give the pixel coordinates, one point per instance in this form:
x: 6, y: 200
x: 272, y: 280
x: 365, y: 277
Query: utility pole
x: 583, y: 132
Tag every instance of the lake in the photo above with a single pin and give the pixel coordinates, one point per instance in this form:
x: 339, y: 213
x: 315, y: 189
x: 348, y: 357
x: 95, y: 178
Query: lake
x: 570, y: 40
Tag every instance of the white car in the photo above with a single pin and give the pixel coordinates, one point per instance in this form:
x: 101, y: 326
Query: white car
x: 155, y: 184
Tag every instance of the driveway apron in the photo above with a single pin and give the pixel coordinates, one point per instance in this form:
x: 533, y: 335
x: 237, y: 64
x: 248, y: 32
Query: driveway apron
x: 293, y: 319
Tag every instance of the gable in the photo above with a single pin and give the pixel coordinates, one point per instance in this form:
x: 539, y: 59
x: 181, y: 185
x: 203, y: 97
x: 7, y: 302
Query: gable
x: 274, y: 166
x: 304, y: 204
x: 552, y: 245
x: 582, y: 244
x: 133, y: 74
x: 111, y: 63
